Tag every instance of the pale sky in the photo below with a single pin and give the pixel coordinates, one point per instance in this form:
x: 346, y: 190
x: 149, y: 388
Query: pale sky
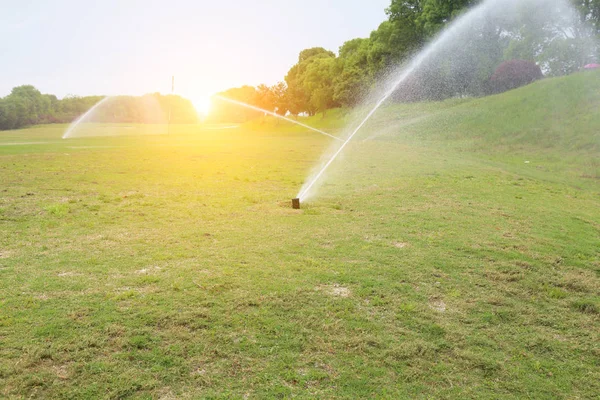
x: 109, y: 47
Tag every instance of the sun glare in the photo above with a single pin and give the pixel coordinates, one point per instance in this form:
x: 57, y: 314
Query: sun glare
x: 202, y: 105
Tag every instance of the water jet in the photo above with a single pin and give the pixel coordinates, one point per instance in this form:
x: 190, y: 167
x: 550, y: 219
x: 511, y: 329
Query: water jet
x: 120, y: 116
x: 82, y: 118
x: 242, y: 104
x: 480, y: 33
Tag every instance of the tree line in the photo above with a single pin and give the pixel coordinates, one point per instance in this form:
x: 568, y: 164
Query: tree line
x: 26, y: 106
x: 322, y: 80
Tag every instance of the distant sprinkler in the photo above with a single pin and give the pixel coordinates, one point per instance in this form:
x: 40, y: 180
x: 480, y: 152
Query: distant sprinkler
x: 296, y: 204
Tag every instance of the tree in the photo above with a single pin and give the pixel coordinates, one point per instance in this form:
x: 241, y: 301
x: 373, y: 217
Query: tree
x: 280, y: 100
x: 307, y: 54
x: 25, y: 105
x: 297, y: 98
x: 436, y: 14
x: 310, y: 82
x: 353, y: 76
x: 589, y: 11
x: 318, y: 81
x: 265, y: 98
x: 557, y: 38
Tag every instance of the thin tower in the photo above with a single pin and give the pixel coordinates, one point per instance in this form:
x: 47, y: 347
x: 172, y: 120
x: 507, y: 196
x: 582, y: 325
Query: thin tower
x: 171, y: 103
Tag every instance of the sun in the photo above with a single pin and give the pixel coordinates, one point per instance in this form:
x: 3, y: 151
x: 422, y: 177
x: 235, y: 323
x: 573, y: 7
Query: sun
x: 202, y: 104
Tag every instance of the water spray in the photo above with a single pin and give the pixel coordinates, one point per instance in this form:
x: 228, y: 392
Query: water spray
x: 242, y: 104
x: 78, y: 120
x: 405, y: 73
x: 296, y: 201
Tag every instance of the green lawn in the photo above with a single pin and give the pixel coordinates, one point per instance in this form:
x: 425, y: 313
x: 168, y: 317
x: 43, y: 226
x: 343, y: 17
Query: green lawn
x: 432, y: 265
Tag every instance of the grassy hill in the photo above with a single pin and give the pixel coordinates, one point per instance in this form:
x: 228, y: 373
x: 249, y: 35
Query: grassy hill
x: 554, y: 121
x: 558, y: 113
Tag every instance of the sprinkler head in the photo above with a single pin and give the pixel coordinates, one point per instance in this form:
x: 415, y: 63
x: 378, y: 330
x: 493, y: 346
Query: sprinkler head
x: 296, y: 204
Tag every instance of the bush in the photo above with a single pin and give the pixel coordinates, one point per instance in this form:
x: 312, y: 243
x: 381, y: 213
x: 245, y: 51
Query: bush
x: 513, y: 74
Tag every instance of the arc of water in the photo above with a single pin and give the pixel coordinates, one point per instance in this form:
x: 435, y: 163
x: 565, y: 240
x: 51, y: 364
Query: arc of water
x: 74, y: 124
x: 414, y: 63
x: 242, y: 104
x: 337, y: 153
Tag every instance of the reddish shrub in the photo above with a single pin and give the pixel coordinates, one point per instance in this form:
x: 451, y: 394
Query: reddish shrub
x: 513, y: 74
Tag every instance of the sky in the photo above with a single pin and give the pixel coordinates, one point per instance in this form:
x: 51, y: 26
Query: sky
x: 110, y: 47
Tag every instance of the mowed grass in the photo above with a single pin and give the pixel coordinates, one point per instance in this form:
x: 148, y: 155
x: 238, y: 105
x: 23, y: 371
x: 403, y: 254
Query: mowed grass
x: 174, y: 267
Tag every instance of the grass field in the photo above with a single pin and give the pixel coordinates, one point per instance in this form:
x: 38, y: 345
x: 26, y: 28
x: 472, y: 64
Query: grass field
x: 442, y: 259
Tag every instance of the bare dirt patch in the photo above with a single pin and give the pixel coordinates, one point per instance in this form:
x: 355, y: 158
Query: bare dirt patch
x: 68, y: 274
x: 437, y: 305
x: 335, y: 290
x: 166, y: 394
x: 5, y: 254
x: 148, y: 270
x: 61, y: 371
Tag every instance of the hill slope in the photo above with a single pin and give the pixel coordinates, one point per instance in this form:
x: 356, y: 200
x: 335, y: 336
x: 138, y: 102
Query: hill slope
x: 554, y: 121
x: 560, y: 113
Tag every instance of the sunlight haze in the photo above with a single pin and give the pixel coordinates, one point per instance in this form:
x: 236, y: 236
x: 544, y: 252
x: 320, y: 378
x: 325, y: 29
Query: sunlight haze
x: 134, y: 47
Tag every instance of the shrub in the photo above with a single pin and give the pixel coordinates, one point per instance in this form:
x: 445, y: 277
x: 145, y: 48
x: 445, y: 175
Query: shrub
x: 513, y: 74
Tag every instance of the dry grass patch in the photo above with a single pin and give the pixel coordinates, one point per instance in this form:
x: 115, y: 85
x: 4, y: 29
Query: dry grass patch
x: 335, y: 290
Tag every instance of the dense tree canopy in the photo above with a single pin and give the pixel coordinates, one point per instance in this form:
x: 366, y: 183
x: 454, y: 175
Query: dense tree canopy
x: 310, y: 81
x: 590, y: 12
x: 25, y: 106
